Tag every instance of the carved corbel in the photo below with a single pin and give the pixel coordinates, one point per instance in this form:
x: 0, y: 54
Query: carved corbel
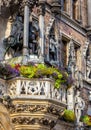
x: 7, y: 102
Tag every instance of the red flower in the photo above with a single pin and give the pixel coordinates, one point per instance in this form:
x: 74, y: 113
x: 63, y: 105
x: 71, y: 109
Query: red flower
x: 17, y: 66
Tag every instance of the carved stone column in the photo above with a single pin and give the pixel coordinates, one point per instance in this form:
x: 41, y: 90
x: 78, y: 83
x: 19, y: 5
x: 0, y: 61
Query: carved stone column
x: 26, y: 26
x: 41, y: 26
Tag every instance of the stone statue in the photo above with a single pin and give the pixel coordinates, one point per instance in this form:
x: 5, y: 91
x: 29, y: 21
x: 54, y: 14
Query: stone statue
x: 15, y: 40
x: 79, y: 106
x: 72, y: 60
x: 33, y: 37
x: 53, y: 48
x: 79, y: 78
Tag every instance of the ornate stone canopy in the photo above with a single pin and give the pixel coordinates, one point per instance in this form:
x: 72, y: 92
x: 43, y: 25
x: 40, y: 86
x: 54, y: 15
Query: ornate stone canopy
x: 6, y: 7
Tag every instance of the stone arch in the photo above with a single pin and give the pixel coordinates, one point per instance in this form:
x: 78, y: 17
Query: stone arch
x: 5, y: 122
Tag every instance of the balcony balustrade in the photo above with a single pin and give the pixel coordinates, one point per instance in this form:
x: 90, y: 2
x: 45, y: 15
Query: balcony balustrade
x: 42, y: 88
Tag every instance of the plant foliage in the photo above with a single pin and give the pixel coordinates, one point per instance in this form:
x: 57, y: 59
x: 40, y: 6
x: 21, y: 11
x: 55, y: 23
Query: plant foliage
x: 37, y: 71
x: 87, y: 120
x: 69, y: 115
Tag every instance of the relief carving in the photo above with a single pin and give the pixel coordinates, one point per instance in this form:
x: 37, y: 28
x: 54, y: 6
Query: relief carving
x: 28, y: 108
x: 20, y: 108
x: 12, y: 88
x: 30, y: 120
x: 2, y: 89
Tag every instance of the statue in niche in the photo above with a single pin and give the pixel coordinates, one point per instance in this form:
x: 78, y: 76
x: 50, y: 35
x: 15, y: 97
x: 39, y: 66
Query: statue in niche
x: 15, y: 40
x: 78, y: 75
x: 53, y: 48
x: 79, y: 106
x: 72, y: 60
x: 33, y: 38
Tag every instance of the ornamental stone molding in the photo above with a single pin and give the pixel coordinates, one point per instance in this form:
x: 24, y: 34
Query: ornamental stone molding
x: 2, y: 88
x: 29, y: 108
x: 41, y: 10
x: 37, y: 112
x: 29, y: 3
x: 32, y: 121
x: 49, y: 26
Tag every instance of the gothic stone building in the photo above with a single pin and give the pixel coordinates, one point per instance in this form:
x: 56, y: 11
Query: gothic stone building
x: 53, y: 32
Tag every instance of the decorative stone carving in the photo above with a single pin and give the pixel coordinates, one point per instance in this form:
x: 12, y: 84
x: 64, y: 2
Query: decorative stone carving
x: 15, y: 40
x: 49, y: 26
x: 52, y: 40
x: 85, y: 48
x: 86, y: 54
x: 71, y: 61
x: 7, y: 102
x: 56, y: 7
x: 89, y: 67
x: 41, y: 10
x: 29, y: 108
x: 32, y: 88
x: 79, y: 106
x: 36, y: 88
x: 8, y: 3
x: 53, y: 48
x: 55, y: 111
x: 23, y: 120
x: 32, y: 121
x: 29, y: 3
x: 2, y: 89
x: 12, y: 88
x: 34, y: 37
x: 78, y: 79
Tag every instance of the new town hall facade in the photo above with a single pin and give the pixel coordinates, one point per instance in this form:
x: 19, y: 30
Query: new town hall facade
x: 52, y: 32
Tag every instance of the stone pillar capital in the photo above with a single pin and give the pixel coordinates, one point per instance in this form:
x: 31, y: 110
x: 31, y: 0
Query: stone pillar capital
x: 28, y: 3
x: 41, y: 10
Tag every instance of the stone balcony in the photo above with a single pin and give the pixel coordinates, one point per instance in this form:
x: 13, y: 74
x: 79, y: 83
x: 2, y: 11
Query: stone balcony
x: 34, y: 103
x: 35, y: 88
